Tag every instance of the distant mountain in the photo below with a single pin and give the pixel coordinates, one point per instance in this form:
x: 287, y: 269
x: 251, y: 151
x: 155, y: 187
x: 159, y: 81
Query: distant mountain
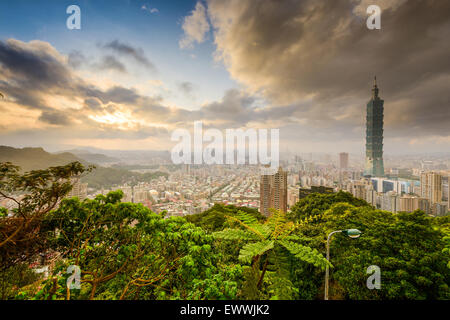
x: 90, y: 157
x: 143, y: 157
x: 35, y: 158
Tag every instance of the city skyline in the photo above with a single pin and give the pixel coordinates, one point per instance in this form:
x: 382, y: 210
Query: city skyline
x: 126, y: 86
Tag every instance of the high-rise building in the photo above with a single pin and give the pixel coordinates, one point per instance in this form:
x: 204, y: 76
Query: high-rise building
x: 448, y: 192
x: 273, y: 191
x: 343, y: 160
x: 431, y: 187
x: 390, y: 201
x: 79, y: 189
x: 439, y: 209
x: 410, y: 203
x: 374, y: 166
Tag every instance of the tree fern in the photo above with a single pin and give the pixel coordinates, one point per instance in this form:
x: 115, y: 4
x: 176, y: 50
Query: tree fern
x: 274, y: 240
x: 305, y: 254
x: 251, y: 250
x: 236, y: 234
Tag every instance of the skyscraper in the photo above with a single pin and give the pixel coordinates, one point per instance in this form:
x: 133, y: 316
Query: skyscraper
x: 273, y: 192
x: 343, y: 160
x: 431, y: 186
x: 79, y: 189
x: 374, y: 135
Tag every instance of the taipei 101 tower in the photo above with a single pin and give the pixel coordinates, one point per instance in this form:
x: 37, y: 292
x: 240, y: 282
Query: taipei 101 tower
x: 374, y: 135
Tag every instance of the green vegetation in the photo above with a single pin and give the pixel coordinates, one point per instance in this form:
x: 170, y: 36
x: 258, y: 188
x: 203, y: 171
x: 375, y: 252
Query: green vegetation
x: 101, y: 177
x: 35, y: 158
x: 319, y: 203
x: 269, y: 244
x: 215, y: 219
x: 110, y: 177
x: 125, y: 251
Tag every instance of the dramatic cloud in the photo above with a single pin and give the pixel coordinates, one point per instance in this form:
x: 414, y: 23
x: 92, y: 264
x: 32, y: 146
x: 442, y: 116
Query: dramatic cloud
x: 195, y: 27
x: 321, y: 51
x: 76, y: 110
x: 126, y: 50
x: 35, y: 76
x: 305, y: 67
x: 55, y: 118
x: 111, y: 63
x: 76, y: 59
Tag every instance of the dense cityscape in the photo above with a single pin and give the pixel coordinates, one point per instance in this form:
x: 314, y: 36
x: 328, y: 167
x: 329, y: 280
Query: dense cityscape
x: 407, y: 184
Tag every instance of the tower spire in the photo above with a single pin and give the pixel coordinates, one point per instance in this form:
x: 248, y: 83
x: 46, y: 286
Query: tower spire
x: 375, y: 88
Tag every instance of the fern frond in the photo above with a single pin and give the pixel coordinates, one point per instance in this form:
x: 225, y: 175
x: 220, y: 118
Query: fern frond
x: 235, y: 234
x: 250, y: 225
x: 246, y: 217
x: 276, y: 220
x: 263, y: 229
x: 300, y: 224
x: 251, y: 250
x: 294, y: 237
x: 306, y: 254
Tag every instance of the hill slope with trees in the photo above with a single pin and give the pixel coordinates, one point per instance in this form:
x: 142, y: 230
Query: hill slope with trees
x: 125, y: 251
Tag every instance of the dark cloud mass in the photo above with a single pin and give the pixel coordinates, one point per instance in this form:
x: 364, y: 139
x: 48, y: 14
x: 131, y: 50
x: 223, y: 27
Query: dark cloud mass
x: 127, y: 50
x: 55, y: 118
x: 305, y: 67
x: 34, y: 66
x: 111, y: 63
x: 291, y: 51
x: 32, y: 72
x: 76, y: 59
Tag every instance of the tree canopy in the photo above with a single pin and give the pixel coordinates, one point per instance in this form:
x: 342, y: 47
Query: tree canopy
x: 126, y: 251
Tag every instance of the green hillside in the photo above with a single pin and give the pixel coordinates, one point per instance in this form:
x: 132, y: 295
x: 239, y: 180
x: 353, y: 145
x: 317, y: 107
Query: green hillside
x: 35, y: 158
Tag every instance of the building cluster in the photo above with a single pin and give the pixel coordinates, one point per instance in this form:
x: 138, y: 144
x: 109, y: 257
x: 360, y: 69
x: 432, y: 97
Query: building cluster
x: 194, y: 189
x: 430, y: 194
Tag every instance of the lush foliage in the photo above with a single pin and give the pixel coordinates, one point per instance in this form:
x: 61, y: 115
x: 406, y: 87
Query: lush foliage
x: 125, y: 251
x: 215, y: 219
x: 318, y: 203
x: 270, y: 244
x: 108, y: 177
x: 407, y: 247
x: 34, y: 195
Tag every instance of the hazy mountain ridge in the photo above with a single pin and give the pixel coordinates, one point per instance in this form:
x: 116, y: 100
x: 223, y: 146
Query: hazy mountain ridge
x: 91, y: 157
x: 35, y: 158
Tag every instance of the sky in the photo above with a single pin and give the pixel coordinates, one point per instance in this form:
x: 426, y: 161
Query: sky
x: 138, y: 70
